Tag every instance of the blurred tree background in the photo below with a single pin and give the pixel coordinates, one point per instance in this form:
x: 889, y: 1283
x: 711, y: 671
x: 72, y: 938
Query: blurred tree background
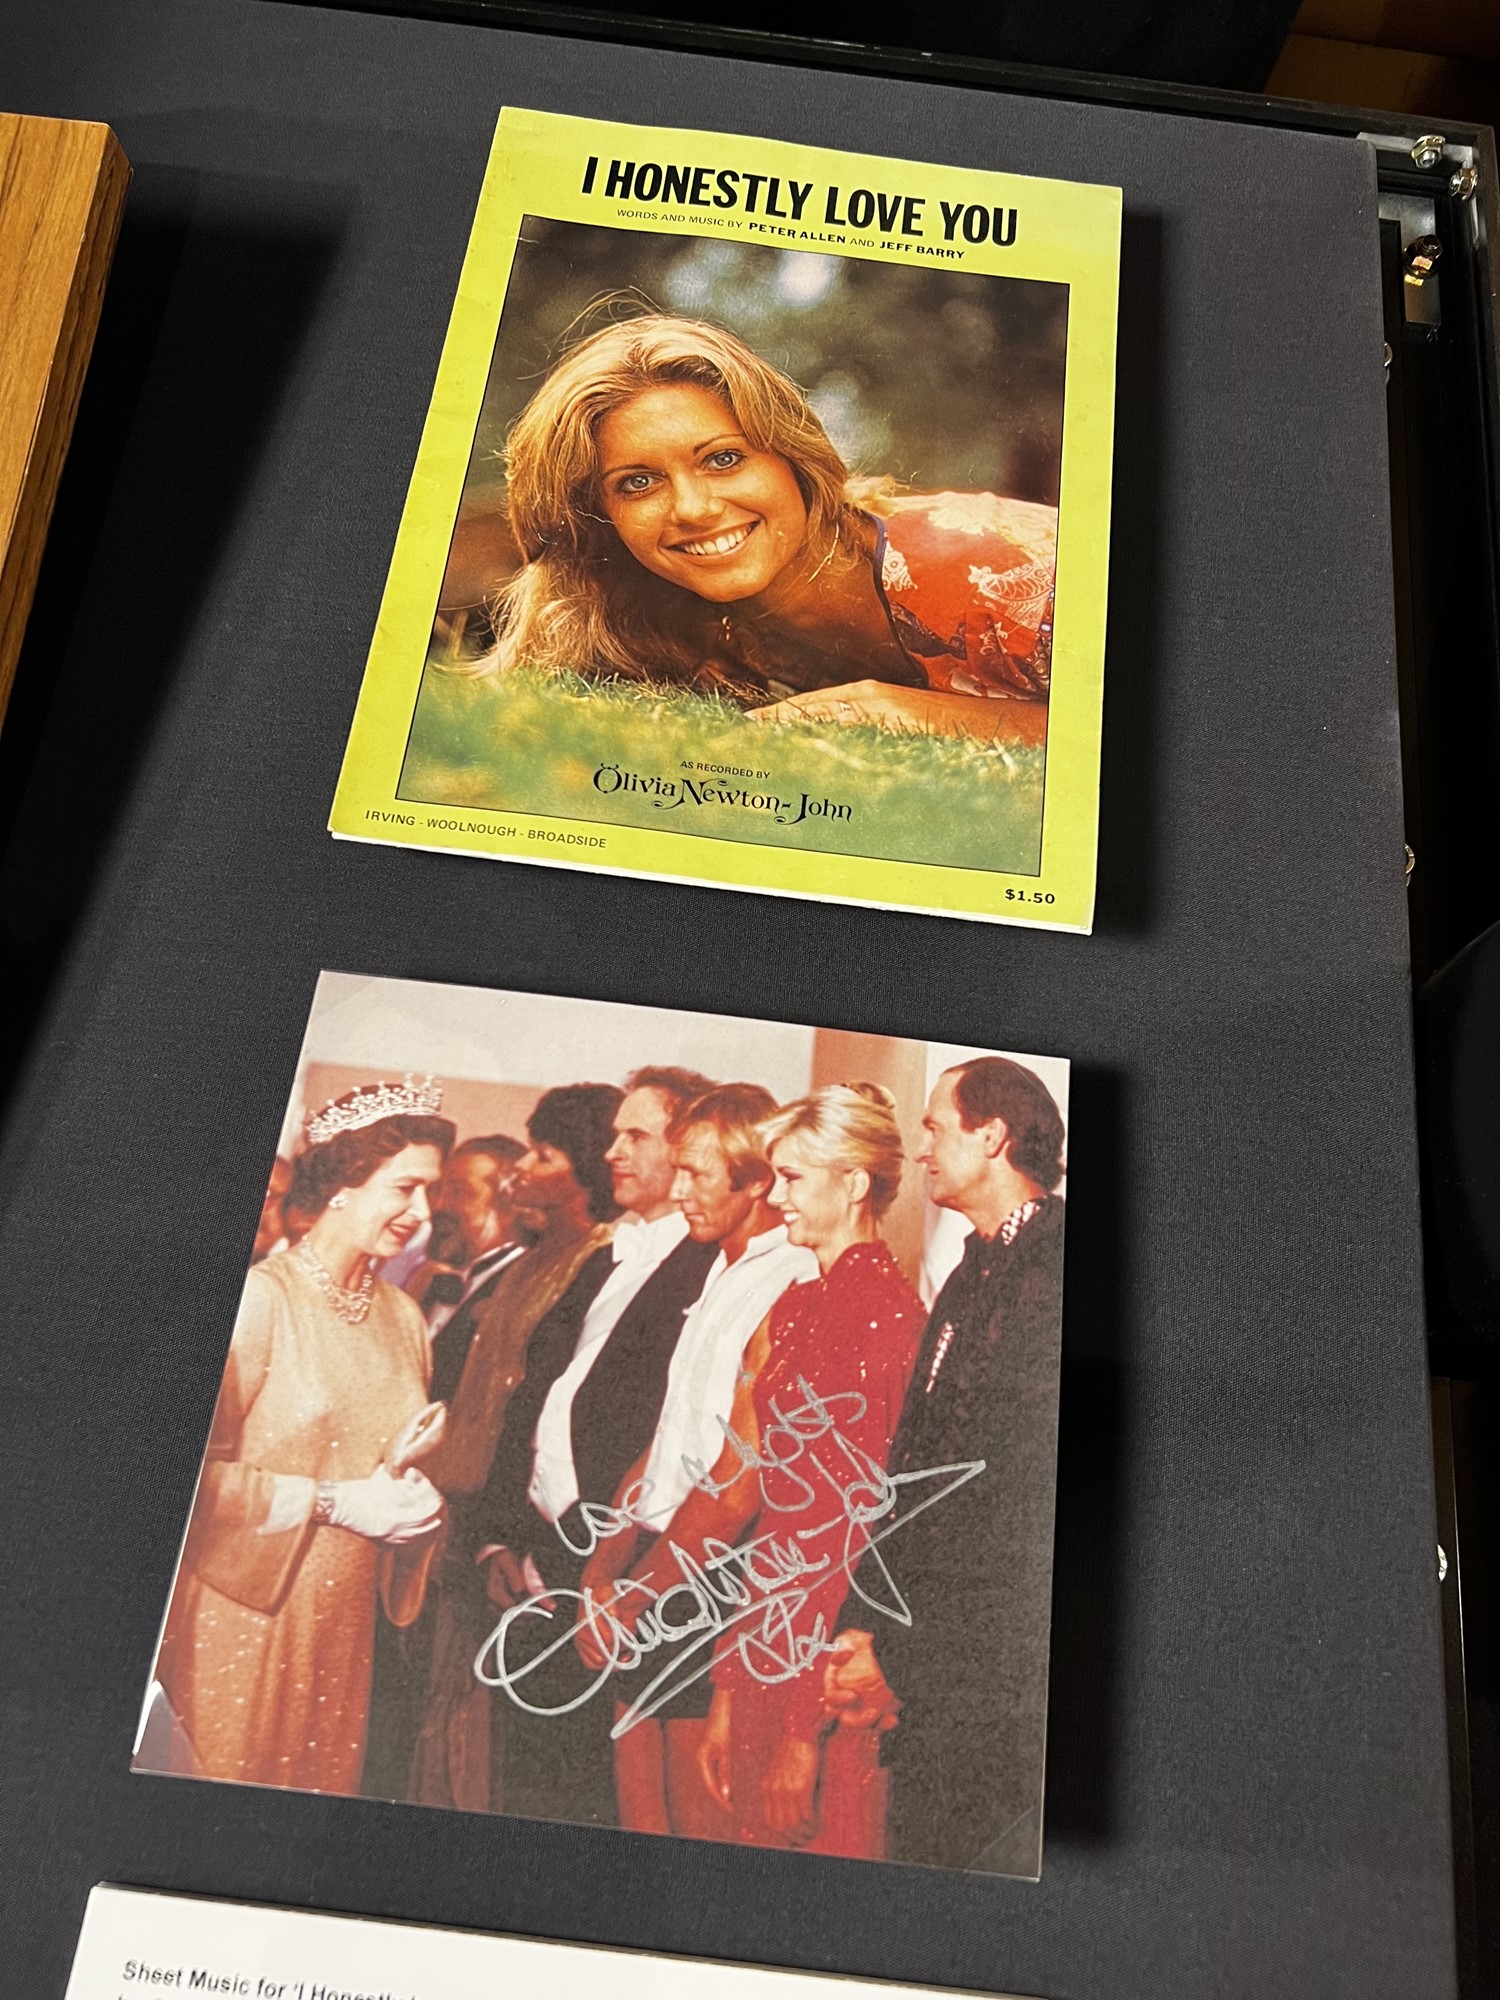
x: 940, y: 379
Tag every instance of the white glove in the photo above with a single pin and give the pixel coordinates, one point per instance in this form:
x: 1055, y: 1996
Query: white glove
x: 384, y: 1509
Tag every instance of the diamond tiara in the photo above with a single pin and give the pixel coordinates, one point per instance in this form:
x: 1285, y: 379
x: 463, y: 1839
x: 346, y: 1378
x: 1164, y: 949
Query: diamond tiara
x: 413, y: 1097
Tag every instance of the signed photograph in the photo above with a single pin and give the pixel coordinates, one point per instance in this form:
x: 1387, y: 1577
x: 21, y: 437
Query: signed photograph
x: 638, y: 1418
x: 757, y: 536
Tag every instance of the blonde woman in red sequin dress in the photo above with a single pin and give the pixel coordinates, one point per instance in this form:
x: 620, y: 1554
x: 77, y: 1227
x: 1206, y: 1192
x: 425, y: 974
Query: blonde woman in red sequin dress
x: 823, y: 1386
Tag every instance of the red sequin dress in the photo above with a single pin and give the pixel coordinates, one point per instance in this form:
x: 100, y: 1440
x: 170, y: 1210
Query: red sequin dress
x: 827, y: 1403
x: 968, y: 581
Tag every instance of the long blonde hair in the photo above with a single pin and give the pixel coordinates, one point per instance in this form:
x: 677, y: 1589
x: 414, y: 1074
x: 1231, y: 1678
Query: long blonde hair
x: 582, y: 601
x: 846, y: 1125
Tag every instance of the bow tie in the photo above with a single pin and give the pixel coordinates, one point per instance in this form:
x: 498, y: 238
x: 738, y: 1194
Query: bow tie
x: 640, y: 1242
x: 446, y: 1289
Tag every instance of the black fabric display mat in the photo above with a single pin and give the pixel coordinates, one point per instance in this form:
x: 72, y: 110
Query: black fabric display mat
x: 1246, y: 1784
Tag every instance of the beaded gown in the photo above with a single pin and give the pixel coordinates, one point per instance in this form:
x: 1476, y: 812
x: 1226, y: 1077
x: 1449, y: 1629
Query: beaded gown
x: 850, y: 1339
x: 269, y: 1642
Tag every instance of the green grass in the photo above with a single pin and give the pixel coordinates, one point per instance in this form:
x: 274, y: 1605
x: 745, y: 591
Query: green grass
x: 532, y: 742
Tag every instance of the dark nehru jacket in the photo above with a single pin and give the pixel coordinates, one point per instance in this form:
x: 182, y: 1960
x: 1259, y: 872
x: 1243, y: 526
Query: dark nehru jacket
x: 975, y: 1568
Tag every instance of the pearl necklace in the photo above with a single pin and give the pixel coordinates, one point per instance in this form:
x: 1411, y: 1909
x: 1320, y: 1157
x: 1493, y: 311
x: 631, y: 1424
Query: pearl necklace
x: 351, y: 1305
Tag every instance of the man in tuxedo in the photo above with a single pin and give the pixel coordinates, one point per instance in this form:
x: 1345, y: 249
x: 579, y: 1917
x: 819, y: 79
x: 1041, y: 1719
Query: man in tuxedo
x: 723, y: 1182
x: 947, y: 1628
x: 596, y: 1376
x: 478, y: 1230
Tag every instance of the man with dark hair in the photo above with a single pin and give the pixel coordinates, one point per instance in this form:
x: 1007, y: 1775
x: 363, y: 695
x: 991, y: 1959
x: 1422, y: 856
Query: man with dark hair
x: 570, y: 1132
x: 562, y: 1176
x: 474, y: 1202
x: 992, y: 1087
x: 596, y: 1374
x: 477, y: 1231
x: 601, y: 1408
x: 948, y: 1624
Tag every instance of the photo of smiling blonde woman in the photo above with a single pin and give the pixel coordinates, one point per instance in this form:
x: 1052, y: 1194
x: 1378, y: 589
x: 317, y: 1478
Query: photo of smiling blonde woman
x: 684, y: 518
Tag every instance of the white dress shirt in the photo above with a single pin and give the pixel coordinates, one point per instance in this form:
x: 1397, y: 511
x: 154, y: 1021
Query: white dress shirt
x: 706, y: 1365
x: 639, y: 1249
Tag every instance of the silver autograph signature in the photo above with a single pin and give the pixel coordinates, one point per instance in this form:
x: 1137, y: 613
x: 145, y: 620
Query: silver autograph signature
x: 756, y: 1589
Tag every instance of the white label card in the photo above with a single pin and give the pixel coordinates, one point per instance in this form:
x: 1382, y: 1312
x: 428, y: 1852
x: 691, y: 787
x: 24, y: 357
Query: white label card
x: 136, y: 1945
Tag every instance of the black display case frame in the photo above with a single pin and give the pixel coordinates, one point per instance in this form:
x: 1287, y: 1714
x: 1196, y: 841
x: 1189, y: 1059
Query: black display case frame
x: 1439, y: 185
x: 1444, y: 422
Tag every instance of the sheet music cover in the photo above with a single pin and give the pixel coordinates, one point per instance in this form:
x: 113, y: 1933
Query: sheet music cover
x: 642, y: 1419
x: 759, y: 533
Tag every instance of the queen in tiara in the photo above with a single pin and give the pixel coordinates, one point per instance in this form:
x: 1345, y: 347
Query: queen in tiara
x: 312, y: 1511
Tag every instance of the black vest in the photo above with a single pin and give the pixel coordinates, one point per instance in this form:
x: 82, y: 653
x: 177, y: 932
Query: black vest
x: 619, y: 1402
